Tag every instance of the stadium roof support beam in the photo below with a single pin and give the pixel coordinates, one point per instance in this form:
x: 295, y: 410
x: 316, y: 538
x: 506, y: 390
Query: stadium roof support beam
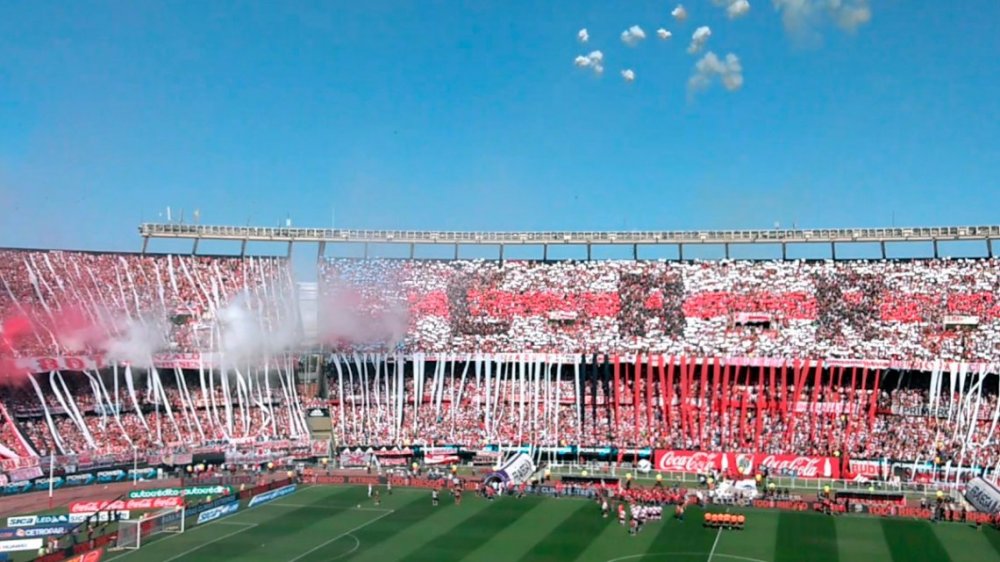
x: 321, y: 251
x: 833, y: 250
x: 145, y: 244
x: 830, y: 236
x: 989, y: 248
x: 882, y: 247
x: 194, y: 247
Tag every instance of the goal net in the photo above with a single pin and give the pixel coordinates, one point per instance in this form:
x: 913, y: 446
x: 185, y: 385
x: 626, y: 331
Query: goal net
x: 132, y: 533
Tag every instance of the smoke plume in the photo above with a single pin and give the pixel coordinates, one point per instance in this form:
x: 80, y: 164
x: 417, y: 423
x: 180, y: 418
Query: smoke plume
x: 729, y: 71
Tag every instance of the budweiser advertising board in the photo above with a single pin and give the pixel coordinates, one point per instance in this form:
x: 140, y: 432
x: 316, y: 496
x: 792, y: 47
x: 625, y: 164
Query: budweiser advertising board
x: 143, y: 504
x: 700, y: 462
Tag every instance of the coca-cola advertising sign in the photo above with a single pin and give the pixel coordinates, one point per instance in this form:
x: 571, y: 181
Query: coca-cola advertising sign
x: 143, y: 504
x: 691, y: 462
x: 700, y: 462
x: 799, y: 466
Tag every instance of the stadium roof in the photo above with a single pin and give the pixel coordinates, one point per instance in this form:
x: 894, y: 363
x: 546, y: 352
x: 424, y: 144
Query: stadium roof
x: 325, y: 236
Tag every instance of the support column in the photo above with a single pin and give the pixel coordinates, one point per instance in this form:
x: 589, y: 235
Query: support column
x: 289, y: 253
x: 989, y: 248
x: 456, y: 252
x: 935, y: 248
x: 145, y: 244
x: 588, y: 252
x: 366, y: 250
x: 726, y: 249
x: 321, y: 251
x: 501, y: 254
x: 784, y: 251
x: 680, y: 252
x: 635, y: 252
x: 833, y: 250
x: 882, y: 245
x: 545, y: 252
x: 243, y: 248
x: 412, y: 250
x: 194, y: 248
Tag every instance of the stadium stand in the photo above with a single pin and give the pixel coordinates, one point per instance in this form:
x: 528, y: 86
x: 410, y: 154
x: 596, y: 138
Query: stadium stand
x: 842, y: 337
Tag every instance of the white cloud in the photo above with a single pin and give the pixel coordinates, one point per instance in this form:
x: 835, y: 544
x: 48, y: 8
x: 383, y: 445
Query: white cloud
x: 737, y: 9
x: 699, y: 38
x: 633, y: 35
x: 679, y: 13
x: 593, y: 61
x: 804, y: 16
x: 729, y: 71
x: 583, y: 35
x: 629, y: 75
x: 663, y: 34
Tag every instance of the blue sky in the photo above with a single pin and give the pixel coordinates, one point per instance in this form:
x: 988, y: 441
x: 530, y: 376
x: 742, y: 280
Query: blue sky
x: 472, y: 115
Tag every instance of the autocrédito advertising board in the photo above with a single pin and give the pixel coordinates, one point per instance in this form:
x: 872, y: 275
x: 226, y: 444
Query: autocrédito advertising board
x: 218, y: 512
x: 180, y: 492
x: 983, y: 496
x: 271, y: 495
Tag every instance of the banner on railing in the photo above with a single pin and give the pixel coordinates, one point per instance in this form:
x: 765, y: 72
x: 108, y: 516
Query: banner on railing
x: 699, y: 462
x: 440, y: 455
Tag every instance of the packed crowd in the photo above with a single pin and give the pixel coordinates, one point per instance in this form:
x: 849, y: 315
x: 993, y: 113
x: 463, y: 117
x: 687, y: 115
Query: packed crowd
x: 826, y: 421
x: 194, y: 419
x: 53, y: 302
x: 831, y: 309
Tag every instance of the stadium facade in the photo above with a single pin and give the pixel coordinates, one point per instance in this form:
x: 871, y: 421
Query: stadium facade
x: 802, y: 363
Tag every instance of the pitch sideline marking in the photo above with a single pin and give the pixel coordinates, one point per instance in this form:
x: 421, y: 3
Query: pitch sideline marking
x: 247, y: 526
x: 715, y: 544
x: 340, y: 536
x: 331, y: 507
x: 685, y: 554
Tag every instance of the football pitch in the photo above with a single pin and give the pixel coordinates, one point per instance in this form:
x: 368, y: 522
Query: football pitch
x: 324, y: 524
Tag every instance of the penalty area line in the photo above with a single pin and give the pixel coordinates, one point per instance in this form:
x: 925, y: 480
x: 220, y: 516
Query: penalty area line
x: 342, y: 535
x: 247, y: 526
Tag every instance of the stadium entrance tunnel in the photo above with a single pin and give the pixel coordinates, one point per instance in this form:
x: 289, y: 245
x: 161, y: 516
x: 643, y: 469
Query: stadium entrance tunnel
x: 496, y: 478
